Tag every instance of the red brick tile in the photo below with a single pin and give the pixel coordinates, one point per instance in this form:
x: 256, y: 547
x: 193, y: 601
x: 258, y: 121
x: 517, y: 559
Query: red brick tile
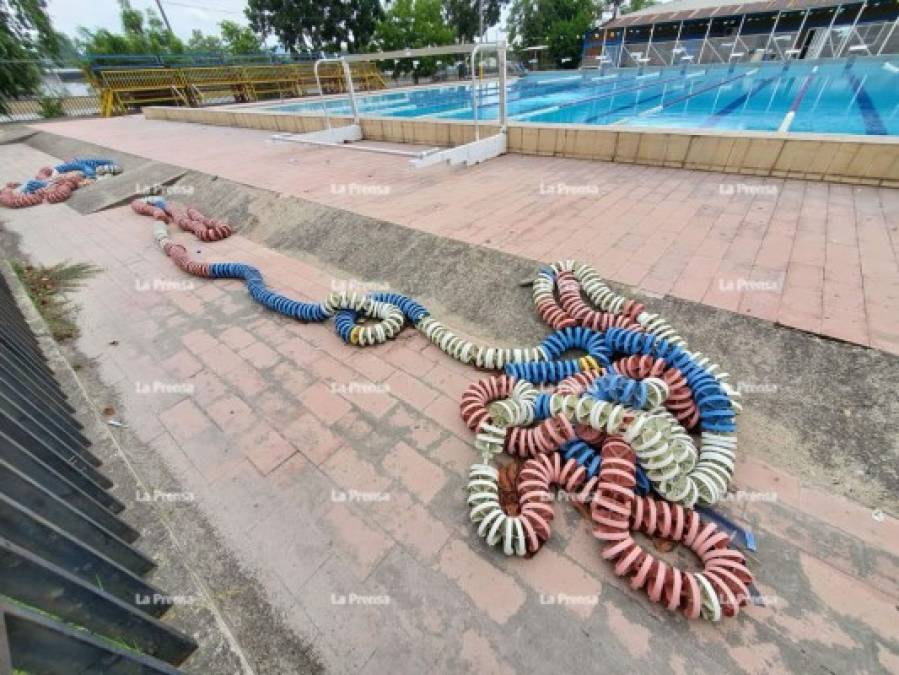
x: 450, y: 382
x: 445, y: 411
x: 411, y: 390
x: 184, y: 420
x: 245, y: 379
x: 293, y: 379
x: 236, y: 338
x: 455, y: 454
x: 410, y: 360
x: 371, y: 365
x: 352, y: 472
x: 265, y: 447
x: 199, y: 341
x: 555, y: 578
x: 207, y: 387
x: 370, y: 397
x: 420, y: 476
x: 313, y: 439
x: 410, y: 523
x: 182, y: 365
x: 355, y: 540
x: 325, y: 402
x: 260, y: 356
x: 492, y: 591
x: 232, y: 414
x: 298, y: 351
x: 330, y: 369
x: 220, y: 359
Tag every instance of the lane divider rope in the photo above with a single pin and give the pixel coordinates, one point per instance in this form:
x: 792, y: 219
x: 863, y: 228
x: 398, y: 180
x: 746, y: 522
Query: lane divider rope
x: 56, y: 184
x: 639, y: 427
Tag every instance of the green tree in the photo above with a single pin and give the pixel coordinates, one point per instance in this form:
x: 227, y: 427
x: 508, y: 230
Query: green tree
x: 464, y: 17
x: 316, y: 24
x: 637, y: 5
x: 559, y: 24
x: 414, y: 24
x: 141, y: 34
x: 26, y: 36
x: 68, y: 54
x: 238, y: 39
x: 203, y: 43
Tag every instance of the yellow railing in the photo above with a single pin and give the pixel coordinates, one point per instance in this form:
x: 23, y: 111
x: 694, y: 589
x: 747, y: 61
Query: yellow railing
x: 124, y: 90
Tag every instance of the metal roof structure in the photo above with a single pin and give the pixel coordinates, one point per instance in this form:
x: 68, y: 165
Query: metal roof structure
x: 686, y: 10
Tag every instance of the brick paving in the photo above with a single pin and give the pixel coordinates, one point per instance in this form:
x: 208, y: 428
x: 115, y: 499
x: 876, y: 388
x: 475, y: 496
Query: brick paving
x: 338, y: 494
x: 815, y: 256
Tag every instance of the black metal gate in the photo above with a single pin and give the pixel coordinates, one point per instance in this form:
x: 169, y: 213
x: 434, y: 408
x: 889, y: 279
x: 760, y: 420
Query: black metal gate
x: 72, y: 594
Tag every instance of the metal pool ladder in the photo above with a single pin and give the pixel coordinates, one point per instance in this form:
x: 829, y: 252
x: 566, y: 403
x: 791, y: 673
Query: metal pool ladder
x: 347, y: 135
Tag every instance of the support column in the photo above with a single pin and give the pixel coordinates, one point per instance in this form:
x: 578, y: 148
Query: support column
x: 704, y: 40
x: 889, y: 35
x: 733, y: 47
x: 851, y: 29
x: 801, y: 26
x: 674, y: 51
x: 771, y: 37
x: 621, y: 47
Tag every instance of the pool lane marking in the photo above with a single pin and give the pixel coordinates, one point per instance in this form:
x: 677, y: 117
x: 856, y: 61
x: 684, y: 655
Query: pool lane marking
x: 560, y: 106
x: 797, y: 100
x: 874, y: 126
x: 701, y: 90
x: 716, y: 117
x: 454, y: 113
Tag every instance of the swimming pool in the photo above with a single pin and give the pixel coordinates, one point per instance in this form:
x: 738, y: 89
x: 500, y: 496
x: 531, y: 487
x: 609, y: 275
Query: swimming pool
x: 842, y: 96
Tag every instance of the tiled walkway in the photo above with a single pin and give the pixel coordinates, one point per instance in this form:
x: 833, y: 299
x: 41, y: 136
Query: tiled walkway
x: 338, y: 478
x: 820, y: 257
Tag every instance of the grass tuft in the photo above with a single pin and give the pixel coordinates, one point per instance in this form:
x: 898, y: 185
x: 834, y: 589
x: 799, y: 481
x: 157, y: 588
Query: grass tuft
x: 47, y: 286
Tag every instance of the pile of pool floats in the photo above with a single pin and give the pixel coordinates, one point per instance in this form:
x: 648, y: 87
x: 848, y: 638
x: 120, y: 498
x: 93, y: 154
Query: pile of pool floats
x: 615, y: 429
x: 56, y: 184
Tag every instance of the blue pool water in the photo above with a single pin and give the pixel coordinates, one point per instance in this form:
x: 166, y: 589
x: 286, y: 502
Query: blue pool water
x: 845, y: 96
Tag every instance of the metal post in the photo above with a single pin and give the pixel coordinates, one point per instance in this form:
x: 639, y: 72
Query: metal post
x: 771, y: 37
x: 799, y: 32
x: 676, y: 42
x: 836, y: 13
x: 649, y: 44
x: 480, y: 20
x: 350, y: 90
x: 733, y: 47
x: 708, y: 30
x: 621, y: 47
x: 851, y: 29
x: 501, y: 63
x: 602, y: 51
x: 889, y: 35
x: 164, y: 17
x: 474, y: 92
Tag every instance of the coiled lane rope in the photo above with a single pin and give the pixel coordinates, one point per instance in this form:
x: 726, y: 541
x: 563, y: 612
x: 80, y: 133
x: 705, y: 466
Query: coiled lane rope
x: 56, y: 184
x: 613, y: 432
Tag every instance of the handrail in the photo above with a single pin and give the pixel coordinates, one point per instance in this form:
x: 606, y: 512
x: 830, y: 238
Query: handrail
x: 500, y: 48
x: 349, y: 85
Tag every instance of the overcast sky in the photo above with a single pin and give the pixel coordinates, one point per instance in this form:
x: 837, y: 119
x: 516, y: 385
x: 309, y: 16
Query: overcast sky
x: 184, y: 15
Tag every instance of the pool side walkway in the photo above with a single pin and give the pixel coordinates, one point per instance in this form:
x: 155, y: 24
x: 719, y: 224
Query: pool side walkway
x: 814, y: 256
x: 337, y: 478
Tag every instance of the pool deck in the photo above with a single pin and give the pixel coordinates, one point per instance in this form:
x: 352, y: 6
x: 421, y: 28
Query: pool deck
x: 818, y: 257
x: 270, y: 450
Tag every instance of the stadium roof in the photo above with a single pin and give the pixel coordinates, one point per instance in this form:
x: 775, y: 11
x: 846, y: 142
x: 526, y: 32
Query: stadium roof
x: 681, y: 10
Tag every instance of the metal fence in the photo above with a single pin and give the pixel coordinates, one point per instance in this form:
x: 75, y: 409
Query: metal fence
x: 49, y: 107
x: 71, y: 582
x: 124, y: 90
